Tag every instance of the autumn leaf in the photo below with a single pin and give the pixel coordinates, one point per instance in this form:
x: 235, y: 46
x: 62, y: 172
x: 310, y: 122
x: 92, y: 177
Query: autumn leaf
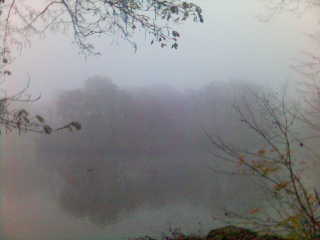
x: 40, y: 118
x: 241, y: 160
x: 267, y: 171
x: 257, y: 165
x: 312, y: 198
x: 76, y: 125
x: 47, y: 129
x: 261, y: 152
x: 280, y: 186
x: 254, y: 211
x: 294, y: 221
x: 273, y: 150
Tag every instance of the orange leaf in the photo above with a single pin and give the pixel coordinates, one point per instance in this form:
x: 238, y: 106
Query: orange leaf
x: 241, y: 160
x: 254, y: 211
x: 281, y: 186
x: 261, y: 152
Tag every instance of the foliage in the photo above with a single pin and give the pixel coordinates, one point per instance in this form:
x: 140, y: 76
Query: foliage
x: 231, y: 232
x: 87, y: 18
x: 174, y: 234
x: 279, y: 165
x: 224, y: 233
x: 20, y: 19
x: 95, y: 18
x: 15, y: 117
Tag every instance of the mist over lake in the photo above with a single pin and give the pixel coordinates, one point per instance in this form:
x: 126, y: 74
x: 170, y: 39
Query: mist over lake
x: 126, y: 147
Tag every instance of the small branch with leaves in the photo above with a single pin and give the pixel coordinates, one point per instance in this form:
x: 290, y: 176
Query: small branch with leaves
x: 278, y: 165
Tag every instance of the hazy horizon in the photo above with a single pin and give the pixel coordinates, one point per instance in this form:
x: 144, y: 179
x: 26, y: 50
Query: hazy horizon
x: 157, y: 103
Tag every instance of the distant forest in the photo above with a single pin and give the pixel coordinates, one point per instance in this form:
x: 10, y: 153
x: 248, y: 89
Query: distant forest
x: 144, y: 147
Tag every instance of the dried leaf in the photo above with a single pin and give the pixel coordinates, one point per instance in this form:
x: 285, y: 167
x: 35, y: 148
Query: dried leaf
x: 39, y: 118
x: 254, y: 211
x: 47, y: 129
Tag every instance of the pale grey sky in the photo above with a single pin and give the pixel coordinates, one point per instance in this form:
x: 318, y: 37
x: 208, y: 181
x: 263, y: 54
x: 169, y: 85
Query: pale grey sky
x: 232, y: 44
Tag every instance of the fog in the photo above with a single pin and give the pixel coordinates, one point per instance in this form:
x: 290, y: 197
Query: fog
x: 142, y: 152
x: 142, y: 162
x: 233, y: 44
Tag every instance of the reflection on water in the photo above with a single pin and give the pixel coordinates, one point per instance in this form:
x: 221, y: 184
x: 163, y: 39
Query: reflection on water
x: 38, y: 217
x: 140, y: 166
x: 31, y: 207
x: 154, y: 222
